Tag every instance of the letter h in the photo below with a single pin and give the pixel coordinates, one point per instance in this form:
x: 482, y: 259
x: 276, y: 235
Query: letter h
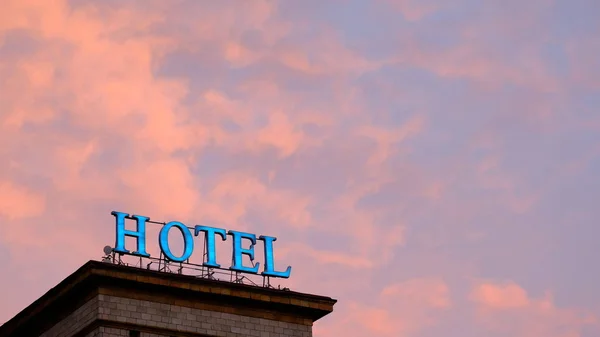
x: 139, y: 234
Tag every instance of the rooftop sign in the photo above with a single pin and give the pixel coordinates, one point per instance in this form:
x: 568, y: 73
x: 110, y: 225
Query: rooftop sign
x: 239, y: 240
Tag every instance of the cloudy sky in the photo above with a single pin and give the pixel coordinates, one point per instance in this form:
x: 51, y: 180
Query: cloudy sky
x: 434, y: 165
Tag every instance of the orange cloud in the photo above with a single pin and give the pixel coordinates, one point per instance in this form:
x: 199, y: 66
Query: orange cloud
x: 325, y: 257
x: 94, y: 116
x: 500, y: 296
x: 413, y: 10
x: 387, y: 138
x: 20, y: 202
x: 430, y: 292
x: 401, y: 309
x: 528, y: 317
x: 236, y: 191
x: 281, y: 134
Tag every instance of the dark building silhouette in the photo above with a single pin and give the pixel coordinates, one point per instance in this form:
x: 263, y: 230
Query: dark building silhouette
x: 105, y: 299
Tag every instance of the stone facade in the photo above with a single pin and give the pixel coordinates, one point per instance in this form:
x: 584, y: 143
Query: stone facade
x: 116, y: 332
x: 112, y: 332
x: 110, y: 301
x: 169, y: 318
x: 184, y: 319
x: 76, y: 321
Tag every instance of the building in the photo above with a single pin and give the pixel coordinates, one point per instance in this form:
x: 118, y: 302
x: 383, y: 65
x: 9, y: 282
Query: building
x: 106, y: 299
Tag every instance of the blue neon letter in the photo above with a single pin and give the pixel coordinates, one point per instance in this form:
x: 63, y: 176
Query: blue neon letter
x: 209, y: 239
x: 238, y: 251
x: 269, y: 259
x: 139, y: 233
x: 188, y: 241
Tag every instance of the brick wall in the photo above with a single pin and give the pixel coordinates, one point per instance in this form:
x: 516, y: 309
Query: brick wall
x: 116, y: 332
x: 171, y: 320
x: 76, y: 321
x: 186, y: 319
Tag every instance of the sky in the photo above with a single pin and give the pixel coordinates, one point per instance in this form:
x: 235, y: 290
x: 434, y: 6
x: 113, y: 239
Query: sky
x: 433, y: 165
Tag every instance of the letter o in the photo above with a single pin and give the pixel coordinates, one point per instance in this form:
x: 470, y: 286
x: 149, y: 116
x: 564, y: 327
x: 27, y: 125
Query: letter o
x: 188, y: 241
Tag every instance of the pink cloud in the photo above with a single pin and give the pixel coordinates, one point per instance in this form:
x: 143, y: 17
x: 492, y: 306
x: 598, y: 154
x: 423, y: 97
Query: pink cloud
x: 387, y: 138
x: 280, y: 133
x: 500, y: 296
x: 235, y: 192
x: 500, y: 304
x: 433, y: 293
x: 325, y: 257
x: 584, y: 66
x: 242, y: 117
x: 401, y: 309
x: 414, y: 10
x: 18, y: 201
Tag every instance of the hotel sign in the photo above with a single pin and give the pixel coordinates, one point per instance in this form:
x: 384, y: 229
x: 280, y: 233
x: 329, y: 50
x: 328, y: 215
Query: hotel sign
x: 243, y: 244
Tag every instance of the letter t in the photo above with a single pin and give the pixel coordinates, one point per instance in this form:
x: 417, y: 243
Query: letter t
x: 209, y: 239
